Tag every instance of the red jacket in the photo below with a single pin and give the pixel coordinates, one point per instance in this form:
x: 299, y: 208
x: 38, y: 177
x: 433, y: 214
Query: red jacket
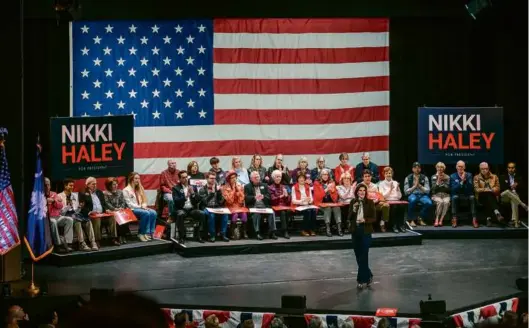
x: 319, y: 193
x: 54, y: 209
x: 338, y: 171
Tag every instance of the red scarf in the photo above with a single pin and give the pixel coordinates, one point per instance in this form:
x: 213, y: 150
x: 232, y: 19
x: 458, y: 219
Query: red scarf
x: 298, y: 191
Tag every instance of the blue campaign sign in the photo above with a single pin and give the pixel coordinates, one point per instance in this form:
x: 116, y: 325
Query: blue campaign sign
x: 470, y: 134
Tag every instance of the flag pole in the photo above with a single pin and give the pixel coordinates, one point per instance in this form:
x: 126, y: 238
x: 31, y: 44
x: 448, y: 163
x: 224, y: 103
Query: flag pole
x: 33, y: 290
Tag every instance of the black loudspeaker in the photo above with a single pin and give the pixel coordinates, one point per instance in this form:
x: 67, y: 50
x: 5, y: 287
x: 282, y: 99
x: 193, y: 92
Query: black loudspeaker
x: 100, y: 294
x: 432, y: 307
x: 294, y: 302
x: 521, y: 283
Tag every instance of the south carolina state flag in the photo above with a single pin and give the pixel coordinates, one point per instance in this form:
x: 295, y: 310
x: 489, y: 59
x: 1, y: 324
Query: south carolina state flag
x: 38, y: 237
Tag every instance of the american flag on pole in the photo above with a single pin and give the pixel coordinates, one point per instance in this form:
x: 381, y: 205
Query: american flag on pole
x: 237, y: 87
x: 9, y: 237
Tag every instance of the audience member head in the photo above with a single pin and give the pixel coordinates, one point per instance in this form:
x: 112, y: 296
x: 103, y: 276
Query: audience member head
x: 183, y: 177
x: 15, y: 314
x: 384, y: 323
x: 111, y: 184
x: 346, y: 179
x: 315, y: 322
x: 212, y: 322
x: 349, y: 323
x: 120, y: 310
x: 277, y: 323
x: 255, y: 177
x: 192, y: 167
x: 248, y: 323
x: 236, y: 163
x: 366, y: 177
x: 440, y: 167
x: 47, y: 185
x: 303, y: 163
x: 460, y: 167
x: 301, y: 178
x: 257, y: 161
x: 133, y: 180
x: 278, y: 162
x: 68, y: 185
x: 211, y: 178
x: 484, y: 168
x: 171, y: 165
x: 325, y: 176
x: 365, y: 159
x: 277, y: 176
x: 180, y: 320
x: 91, y: 184
x: 510, y: 319
x: 214, y: 162
x: 320, y: 162
x: 388, y: 173
x: 344, y: 159
x: 231, y: 178
x: 511, y: 167
x: 416, y: 168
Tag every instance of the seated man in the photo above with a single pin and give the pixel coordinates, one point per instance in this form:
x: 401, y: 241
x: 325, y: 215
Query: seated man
x: 417, y: 188
x: 256, y: 195
x: 57, y: 220
x: 71, y: 208
x: 186, y: 200
x: 93, y: 201
x: 366, y: 164
x: 462, y: 188
x: 168, y: 179
x: 373, y: 193
x: 487, y: 188
x: 510, y: 187
x: 211, y: 197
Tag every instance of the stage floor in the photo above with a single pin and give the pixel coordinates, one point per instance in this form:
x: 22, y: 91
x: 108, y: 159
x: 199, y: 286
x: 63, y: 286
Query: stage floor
x: 462, y: 272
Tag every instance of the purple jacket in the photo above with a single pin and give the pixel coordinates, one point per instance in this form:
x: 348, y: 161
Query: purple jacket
x: 275, y: 195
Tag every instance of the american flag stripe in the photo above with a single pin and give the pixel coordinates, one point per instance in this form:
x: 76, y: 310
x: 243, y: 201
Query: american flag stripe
x: 9, y: 237
x: 300, y: 87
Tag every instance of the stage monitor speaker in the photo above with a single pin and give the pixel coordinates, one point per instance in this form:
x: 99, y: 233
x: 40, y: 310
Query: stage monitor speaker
x: 10, y: 265
x: 432, y: 307
x: 100, y: 294
x: 294, y: 302
x: 521, y: 283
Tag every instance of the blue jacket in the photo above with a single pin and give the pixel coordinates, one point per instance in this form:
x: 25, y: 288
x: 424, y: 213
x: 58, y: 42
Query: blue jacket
x: 459, y: 188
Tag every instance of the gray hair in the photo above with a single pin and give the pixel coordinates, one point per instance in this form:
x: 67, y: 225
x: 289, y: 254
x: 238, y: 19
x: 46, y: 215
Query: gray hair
x: 483, y: 165
x: 366, y: 155
x: 276, y: 173
x: 349, y: 323
x: 277, y: 323
x: 461, y: 162
x: 47, y: 180
x: 255, y: 174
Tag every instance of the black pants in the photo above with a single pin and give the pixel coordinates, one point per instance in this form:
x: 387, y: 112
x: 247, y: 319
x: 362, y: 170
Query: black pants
x: 283, y: 216
x: 489, y: 202
x: 195, y: 215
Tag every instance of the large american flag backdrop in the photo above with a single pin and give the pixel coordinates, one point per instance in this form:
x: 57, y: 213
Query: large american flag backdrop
x: 237, y: 87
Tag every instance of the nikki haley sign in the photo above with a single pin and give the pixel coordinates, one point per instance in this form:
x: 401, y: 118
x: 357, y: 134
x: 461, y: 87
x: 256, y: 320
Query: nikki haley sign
x: 92, y: 146
x: 450, y: 134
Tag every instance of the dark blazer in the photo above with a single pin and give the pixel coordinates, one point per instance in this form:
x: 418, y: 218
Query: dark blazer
x: 179, y: 197
x: 359, y: 172
x: 369, y: 215
x: 88, y: 205
x: 249, y: 194
x: 206, y: 196
x: 506, y: 185
x: 466, y: 188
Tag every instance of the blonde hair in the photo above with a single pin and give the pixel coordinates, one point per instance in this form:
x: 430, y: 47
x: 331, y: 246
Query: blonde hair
x: 233, y: 162
x: 303, y: 159
x: 344, y: 176
x: 388, y: 169
x: 440, y: 164
x: 138, y: 189
x: 252, y: 163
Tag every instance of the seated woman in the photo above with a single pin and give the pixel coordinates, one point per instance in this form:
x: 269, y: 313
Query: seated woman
x: 390, y: 190
x: 279, y: 197
x: 137, y: 201
x: 440, y: 189
x: 345, y: 194
x: 193, y: 172
x: 325, y: 192
x: 257, y: 166
x: 242, y: 174
x: 233, y: 194
x: 301, y: 196
x: 303, y: 167
x: 116, y: 202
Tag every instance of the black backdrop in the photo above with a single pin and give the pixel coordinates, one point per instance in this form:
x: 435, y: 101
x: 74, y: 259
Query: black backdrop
x: 439, y: 56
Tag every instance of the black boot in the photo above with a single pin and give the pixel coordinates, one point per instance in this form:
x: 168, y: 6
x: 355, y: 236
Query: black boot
x: 232, y: 231
x: 339, y: 227
x: 245, y: 231
x: 199, y: 236
x: 328, y: 229
x: 272, y: 235
x: 395, y: 228
x: 286, y: 235
x: 224, y: 238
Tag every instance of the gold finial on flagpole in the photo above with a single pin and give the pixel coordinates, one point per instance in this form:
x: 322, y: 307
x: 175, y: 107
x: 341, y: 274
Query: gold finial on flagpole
x: 33, y: 290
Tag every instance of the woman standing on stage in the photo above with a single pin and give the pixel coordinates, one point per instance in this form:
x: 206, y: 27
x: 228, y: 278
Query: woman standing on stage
x: 362, y: 216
